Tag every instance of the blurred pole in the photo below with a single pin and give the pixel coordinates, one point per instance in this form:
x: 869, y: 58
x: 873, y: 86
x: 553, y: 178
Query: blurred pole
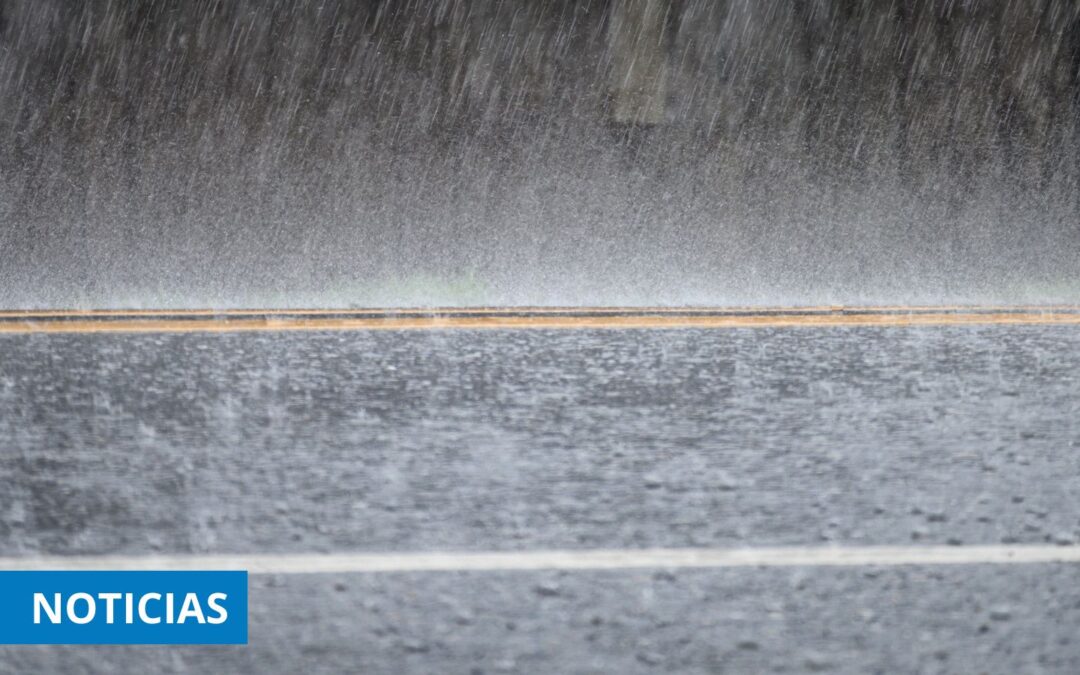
x: 637, y: 39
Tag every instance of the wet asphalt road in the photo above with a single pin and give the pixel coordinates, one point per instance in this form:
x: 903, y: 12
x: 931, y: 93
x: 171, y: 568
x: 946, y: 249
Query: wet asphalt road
x: 522, y: 440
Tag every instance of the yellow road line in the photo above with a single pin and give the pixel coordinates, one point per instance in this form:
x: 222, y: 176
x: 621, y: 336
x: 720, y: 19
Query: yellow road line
x: 536, y: 310
x: 231, y: 322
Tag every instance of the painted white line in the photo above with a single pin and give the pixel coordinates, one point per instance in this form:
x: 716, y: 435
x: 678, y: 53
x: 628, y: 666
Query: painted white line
x: 612, y: 559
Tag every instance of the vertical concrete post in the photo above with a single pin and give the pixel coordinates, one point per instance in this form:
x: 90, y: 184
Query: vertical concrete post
x: 637, y: 39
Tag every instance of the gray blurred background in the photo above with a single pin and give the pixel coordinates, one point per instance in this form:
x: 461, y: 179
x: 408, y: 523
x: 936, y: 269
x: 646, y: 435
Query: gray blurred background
x: 345, y: 153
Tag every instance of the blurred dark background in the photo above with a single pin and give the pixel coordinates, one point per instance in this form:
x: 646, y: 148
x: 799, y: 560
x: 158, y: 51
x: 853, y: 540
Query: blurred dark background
x: 334, y: 152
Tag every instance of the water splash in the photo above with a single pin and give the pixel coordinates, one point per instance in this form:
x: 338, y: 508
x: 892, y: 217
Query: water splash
x: 209, y: 153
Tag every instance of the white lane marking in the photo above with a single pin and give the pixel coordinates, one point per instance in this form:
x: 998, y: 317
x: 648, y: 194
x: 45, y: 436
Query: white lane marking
x: 611, y: 559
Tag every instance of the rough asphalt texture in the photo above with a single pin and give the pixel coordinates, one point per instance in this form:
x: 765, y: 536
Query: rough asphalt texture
x: 520, y: 440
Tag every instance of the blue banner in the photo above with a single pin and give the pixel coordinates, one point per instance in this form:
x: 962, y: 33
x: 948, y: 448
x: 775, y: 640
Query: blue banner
x: 166, y: 608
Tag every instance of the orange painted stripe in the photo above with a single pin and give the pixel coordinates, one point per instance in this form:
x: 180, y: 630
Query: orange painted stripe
x: 537, y: 310
x: 205, y: 321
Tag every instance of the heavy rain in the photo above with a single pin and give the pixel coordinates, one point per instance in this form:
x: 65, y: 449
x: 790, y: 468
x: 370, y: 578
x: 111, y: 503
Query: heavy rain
x: 507, y: 336
x: 159, y: 153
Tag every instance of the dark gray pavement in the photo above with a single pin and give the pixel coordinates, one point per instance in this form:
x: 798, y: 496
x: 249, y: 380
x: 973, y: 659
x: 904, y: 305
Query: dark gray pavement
x: 522, y: 440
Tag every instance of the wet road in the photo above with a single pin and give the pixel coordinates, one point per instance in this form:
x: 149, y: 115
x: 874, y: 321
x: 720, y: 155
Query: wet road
x: 539, y: 439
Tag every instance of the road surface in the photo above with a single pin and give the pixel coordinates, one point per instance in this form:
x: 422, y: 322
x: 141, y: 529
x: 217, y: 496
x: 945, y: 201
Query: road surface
x: 531, y: 440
